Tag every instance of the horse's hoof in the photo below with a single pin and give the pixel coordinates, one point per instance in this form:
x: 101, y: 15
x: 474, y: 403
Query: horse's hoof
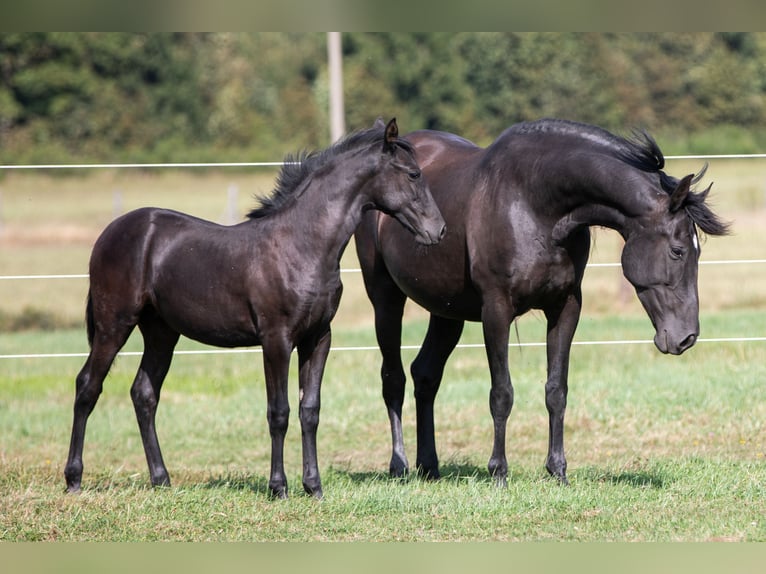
x: 501, y: 481
x: 429, y: 472
x: 315, y: 490
x: 73, y: 489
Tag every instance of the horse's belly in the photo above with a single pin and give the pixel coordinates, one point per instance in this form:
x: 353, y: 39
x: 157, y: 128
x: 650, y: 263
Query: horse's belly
x: 434, y: 278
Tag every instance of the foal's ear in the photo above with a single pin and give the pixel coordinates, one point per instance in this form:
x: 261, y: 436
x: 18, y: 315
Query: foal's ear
x: 392, y: 134
x: 680, y: 193
x: 379, y: 124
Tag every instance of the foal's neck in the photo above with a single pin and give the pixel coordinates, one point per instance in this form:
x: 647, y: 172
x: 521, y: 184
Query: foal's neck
x: 325, y: 216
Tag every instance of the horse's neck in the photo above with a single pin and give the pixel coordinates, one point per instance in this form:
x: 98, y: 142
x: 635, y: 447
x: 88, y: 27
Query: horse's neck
x: 604, y: 200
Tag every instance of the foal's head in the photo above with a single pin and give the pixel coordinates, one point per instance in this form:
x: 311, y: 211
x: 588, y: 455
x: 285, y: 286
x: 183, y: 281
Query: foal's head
x: 399, y: 189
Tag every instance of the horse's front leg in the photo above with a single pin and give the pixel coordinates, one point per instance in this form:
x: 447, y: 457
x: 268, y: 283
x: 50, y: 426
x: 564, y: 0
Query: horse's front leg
x: 276, y: 363
x: 496, y: 323
x: 312, y: 358
x: 562, y: 323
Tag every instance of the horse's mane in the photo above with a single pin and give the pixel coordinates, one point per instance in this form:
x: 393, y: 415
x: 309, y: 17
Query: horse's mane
x: 640, y: 151
x: 298, y: 167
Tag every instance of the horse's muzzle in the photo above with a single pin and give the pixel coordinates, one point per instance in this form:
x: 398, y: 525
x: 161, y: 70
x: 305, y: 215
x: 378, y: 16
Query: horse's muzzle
x: 664, y: 343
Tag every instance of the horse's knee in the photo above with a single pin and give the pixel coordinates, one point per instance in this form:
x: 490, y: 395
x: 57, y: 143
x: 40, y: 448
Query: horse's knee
x: 555, y: 397
x: 425, y: 381
x: 309, y: 417
x: 278, y: 419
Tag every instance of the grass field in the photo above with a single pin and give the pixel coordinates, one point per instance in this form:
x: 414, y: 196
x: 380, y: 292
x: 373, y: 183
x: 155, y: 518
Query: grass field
x: 659, y: 448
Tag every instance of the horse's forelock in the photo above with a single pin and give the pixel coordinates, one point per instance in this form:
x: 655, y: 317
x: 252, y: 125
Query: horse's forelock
x: 703, y: 217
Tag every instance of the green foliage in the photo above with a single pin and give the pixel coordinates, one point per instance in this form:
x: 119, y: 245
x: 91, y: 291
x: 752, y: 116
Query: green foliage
x: 194, y: 96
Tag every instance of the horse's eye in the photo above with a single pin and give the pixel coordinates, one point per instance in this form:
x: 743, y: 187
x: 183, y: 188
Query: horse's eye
x: 676, y: 252
x: 414, y: 175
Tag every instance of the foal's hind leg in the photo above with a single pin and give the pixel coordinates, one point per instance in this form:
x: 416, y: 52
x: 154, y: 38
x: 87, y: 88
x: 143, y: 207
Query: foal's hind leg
x: 159, y: 342
x: 276, y: 366
x: 90, y: 382
x: 427, y: 371
x: 312, y: 357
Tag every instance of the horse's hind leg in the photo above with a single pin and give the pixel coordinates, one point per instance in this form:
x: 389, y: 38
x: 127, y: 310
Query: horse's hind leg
x: 159, y: 343
x: 427, y: 371
x: 389, y: 308
x: 90, y: 382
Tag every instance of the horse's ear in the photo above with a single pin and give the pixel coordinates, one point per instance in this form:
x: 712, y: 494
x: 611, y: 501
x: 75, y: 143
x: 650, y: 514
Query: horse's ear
x: 379, y: 124
x: 392, y: 134
x: 680, y: 193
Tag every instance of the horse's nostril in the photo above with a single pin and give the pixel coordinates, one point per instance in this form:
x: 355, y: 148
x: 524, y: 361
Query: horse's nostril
x: 688, y: 342
x: 442, y: 232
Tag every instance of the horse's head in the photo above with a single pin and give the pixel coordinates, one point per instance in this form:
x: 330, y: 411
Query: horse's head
x: 661, y: 259
x: 400, y: 191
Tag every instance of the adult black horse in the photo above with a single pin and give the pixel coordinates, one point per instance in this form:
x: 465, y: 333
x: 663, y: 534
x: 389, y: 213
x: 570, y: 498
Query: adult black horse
x: 273, y: 280
x: 518, y: 214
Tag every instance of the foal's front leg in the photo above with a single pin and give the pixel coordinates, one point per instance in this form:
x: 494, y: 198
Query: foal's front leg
x: 312, y: 357
x: 276, y: 364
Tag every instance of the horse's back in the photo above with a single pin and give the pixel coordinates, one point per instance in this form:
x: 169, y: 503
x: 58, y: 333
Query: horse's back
x: 437, y: 149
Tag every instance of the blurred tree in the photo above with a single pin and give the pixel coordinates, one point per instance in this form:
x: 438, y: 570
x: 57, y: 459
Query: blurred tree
x: 121, y: 96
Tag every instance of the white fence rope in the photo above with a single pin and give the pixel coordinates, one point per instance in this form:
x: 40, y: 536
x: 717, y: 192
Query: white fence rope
x: 375, y: 348
x: 141, y: 165
x: 184, y: 165
x: 356, y: 270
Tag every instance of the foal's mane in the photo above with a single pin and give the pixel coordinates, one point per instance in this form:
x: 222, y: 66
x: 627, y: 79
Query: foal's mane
x: 298, y: 168
x: 640, y: 151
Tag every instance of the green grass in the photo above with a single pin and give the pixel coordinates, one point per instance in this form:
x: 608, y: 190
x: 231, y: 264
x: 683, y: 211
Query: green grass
x: 660, y: 448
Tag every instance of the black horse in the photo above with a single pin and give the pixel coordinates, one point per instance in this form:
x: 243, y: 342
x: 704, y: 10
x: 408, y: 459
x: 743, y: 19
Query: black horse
x: 518, y: 214
x: 273, y: 280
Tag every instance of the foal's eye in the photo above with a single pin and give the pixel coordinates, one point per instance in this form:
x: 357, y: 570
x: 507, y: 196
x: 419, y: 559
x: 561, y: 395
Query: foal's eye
x: 676, y: 252
x: 414, y: 175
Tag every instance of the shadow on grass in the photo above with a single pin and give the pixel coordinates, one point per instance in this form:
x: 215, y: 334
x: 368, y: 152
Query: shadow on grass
x: 453, y: 472
x: 256, y: 484
x: 634, y: 478
x: 450, y: 472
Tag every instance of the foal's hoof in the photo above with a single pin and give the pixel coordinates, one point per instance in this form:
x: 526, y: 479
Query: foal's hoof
x: 278, y: 492
x: 161, y: 482
x: 313, y: 489
x: 398, y: 468
x: 559, y: 475
x: 73, y: 489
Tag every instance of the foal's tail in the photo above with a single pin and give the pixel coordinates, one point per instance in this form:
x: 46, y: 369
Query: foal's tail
x: 89, y: 319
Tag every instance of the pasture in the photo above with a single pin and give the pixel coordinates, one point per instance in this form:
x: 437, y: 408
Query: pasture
x: 660, y: 448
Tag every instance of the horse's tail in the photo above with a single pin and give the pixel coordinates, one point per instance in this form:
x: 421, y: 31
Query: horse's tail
x: 89, y: 319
